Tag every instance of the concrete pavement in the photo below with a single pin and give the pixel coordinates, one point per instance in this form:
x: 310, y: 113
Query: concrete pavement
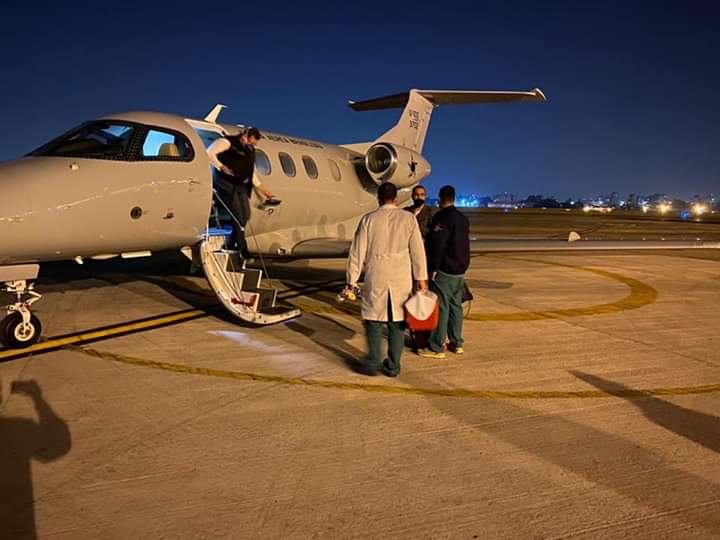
x: 208, y: 429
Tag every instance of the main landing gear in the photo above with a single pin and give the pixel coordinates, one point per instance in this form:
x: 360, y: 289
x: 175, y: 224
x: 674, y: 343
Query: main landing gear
x: 20, y: 328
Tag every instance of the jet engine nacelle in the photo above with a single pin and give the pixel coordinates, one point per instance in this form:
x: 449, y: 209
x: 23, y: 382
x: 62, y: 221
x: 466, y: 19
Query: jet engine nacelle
x: 392, y: 163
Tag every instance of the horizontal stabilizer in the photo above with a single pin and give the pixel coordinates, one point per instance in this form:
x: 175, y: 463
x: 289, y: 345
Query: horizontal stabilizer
x: 447, y: 97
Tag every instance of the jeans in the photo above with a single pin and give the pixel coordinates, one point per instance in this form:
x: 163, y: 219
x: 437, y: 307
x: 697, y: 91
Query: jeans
x: 449, y: 289
x: 238, y: 203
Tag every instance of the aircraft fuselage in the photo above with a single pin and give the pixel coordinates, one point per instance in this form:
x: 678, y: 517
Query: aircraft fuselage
x: 67, y: 206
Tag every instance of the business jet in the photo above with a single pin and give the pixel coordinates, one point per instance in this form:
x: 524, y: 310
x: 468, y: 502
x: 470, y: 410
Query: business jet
x: 130, y: 184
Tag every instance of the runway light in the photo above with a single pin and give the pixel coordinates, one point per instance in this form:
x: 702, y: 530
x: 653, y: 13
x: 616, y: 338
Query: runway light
x: 663, y: 208
x: 586, y: 208
x: 645, y: 209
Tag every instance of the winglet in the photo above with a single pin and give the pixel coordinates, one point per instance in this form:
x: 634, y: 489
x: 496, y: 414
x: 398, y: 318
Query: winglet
x: 213, y: 115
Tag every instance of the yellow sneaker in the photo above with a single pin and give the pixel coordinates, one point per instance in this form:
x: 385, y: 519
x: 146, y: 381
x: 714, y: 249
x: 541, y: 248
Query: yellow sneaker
x: 456, y: 350
x: 427, y: 353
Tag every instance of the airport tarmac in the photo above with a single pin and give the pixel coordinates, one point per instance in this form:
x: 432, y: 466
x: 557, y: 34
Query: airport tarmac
x: 586, y: 406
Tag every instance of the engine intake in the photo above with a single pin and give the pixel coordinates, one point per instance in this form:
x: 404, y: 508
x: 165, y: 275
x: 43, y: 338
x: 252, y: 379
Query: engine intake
x: 391, y: 163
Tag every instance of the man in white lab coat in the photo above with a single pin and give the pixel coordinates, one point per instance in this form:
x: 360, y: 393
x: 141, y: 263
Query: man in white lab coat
x: 389, y: 248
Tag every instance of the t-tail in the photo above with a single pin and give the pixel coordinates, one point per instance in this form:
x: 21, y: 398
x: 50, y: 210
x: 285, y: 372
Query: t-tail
x: 418, y: 106
x: 396, y: 156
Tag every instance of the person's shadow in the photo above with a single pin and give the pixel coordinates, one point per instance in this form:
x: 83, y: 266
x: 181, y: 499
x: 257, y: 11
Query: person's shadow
x: 21, y: 440
x: 698, y: 427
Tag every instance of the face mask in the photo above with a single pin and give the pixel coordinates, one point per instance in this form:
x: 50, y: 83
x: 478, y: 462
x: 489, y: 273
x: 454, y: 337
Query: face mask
x: 418, y: 202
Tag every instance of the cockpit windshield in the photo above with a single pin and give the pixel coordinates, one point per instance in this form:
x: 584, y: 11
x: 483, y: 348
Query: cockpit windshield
x: 100, y: 139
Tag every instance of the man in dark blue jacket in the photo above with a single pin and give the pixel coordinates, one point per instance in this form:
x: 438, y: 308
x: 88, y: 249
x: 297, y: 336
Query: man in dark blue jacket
x: 448, y: 252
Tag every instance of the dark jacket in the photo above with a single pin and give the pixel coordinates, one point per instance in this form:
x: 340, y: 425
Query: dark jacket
x: 240, y: 159
x: 448, y: 242
x: 423, y: 218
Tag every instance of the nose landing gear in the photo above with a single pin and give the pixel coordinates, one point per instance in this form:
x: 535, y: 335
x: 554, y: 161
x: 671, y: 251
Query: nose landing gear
x: 20, y: 328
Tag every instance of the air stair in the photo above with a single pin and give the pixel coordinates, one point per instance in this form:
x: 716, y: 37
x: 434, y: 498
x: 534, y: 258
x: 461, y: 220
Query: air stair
x: 239, y: 288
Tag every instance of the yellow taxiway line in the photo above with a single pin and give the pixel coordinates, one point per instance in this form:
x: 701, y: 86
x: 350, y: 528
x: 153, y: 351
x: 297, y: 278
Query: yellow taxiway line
x: 131, y: 327
x: 106, y: 332
x: 640, y: 295
x: 403, y: 390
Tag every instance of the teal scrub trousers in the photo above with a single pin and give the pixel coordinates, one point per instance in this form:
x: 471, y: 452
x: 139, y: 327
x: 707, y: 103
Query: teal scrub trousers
x: 449, y: 289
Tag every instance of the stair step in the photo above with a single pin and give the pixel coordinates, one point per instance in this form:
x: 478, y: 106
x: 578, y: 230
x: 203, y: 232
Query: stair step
x: 267, y: 297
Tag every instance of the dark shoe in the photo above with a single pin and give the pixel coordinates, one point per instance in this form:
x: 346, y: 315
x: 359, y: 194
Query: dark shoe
x: 387, y: 371
x: 363, y: 369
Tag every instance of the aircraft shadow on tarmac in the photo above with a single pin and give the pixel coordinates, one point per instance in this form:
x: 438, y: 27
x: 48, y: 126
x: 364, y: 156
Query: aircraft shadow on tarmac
x: 698, y: 427
x: 21, y: 441
x: 66, y: 276
x: 71, y: 275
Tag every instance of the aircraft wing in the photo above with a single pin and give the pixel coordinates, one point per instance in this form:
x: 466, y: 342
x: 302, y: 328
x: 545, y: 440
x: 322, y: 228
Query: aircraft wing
x: 489, y: 246
x: 329, y: 248
x: 322, y: 248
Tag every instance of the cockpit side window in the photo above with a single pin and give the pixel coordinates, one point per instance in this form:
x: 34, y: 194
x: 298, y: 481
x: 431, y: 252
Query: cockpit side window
x: 99, y: 140
x: 160, y: 145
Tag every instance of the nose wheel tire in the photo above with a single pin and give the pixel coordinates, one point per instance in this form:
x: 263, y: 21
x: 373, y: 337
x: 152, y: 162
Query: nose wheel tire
x: 14, y: 334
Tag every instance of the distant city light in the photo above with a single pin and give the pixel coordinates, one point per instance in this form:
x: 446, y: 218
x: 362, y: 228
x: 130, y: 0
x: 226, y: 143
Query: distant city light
x: 657, y: 203
x: 699, y: 209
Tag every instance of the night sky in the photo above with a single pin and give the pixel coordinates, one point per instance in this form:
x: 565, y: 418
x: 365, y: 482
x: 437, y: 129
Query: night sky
x: 632, y: 86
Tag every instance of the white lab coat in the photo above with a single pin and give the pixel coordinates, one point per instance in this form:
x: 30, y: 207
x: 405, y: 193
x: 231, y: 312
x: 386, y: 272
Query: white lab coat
x: 389, y: 247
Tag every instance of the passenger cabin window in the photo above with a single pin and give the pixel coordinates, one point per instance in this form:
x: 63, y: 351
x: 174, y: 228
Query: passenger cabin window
x: 310, y: 167
x: 166, y: 146
x: 262, y: 162
x: 99, y: 140
x: 334, y: 170
x: 287, y: 164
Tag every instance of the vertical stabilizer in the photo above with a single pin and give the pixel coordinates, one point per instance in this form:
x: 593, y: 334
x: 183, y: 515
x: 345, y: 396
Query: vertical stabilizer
x: 410, y: 131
